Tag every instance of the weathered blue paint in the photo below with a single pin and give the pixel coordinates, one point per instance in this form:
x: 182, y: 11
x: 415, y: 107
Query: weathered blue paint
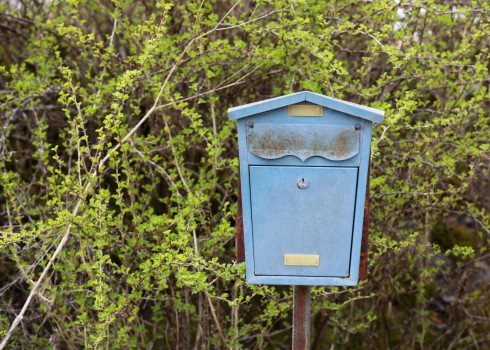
x: 364, y: 112
x: 273, y: 141
x: 326, y: 217
x: 263, y: 106
x: 315, y: 220
x: 371, y: 114
x: 361, y: 197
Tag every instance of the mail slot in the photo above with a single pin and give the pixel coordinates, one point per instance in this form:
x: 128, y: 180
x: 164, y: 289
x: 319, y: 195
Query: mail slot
x: 304, y: 163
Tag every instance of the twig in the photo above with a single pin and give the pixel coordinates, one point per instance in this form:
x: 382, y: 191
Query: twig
x: 248, y: 22
x: 239, y: 81
x: 105, y: 67
x: 213, y: 312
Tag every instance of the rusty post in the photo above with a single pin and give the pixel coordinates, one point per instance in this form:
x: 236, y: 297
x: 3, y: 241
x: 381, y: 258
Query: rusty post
x: 301, y: 317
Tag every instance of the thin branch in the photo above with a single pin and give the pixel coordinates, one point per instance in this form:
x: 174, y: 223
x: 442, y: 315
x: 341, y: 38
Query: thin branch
x: 213, y: 312
x: 248, y: 22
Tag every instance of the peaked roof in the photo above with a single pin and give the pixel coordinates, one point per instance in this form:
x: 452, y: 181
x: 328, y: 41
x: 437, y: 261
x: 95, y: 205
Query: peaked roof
x: 374, y: 115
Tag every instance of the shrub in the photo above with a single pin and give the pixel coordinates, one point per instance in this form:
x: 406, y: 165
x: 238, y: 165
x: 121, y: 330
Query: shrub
x: 117, y: 154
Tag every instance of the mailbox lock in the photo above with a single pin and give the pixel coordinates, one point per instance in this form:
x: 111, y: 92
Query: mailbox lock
x: 303, y: 183
x: 358, y: 126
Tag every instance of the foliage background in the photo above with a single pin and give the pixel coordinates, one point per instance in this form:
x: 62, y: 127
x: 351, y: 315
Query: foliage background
x: 115, y: 136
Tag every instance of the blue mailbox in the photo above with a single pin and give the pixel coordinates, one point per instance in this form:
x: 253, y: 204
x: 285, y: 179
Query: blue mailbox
x: 304, y: 162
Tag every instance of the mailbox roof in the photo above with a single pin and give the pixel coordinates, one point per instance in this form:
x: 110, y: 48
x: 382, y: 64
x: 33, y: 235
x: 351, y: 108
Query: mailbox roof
x: 371, y: 114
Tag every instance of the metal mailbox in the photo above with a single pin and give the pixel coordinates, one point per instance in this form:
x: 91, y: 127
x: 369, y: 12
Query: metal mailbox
x: 304, y: 162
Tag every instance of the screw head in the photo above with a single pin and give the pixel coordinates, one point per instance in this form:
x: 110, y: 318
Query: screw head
x: 251, y: 125
x: 358, y: 126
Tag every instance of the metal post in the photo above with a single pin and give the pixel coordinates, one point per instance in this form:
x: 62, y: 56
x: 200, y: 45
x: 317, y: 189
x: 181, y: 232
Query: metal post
x: 301, y: 317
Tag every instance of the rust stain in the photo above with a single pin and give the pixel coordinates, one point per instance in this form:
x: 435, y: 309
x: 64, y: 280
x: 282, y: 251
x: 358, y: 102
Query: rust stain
x: 273, y: 143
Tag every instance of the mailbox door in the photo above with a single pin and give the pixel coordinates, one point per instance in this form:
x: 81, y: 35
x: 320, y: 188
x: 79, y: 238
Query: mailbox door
x: 302, y: 220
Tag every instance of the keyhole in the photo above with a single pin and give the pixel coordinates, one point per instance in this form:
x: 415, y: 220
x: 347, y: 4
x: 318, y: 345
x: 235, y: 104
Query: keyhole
x: 303, y: 183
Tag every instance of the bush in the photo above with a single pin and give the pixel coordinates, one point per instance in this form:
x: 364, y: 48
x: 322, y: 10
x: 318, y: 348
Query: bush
x: 119, y: 167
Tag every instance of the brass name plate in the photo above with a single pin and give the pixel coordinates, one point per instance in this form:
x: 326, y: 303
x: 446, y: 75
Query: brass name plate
x: 305, y: 111
x: 301, y: 260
